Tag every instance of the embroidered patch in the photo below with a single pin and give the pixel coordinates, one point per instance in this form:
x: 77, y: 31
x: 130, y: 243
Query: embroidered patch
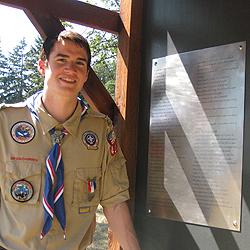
x: 18, y: 158
x: 112, y: 142
x: 84, y: 210
x: 91, y: 188
x: 21, y: 191
x: 91, y: 185
x: 90, y: 140
x: 22, y: 132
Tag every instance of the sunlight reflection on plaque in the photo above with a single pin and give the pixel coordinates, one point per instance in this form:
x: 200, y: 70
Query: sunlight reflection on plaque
x: 196, y: 136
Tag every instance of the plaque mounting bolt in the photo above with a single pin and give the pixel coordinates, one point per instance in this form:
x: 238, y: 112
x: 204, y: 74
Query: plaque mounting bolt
x: 235, y: 224
x: 149, y: 211
x: 241, y: 48
x: 155, y: 63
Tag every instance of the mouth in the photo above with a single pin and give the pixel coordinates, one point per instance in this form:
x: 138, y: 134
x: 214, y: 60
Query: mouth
x: 67, y: 79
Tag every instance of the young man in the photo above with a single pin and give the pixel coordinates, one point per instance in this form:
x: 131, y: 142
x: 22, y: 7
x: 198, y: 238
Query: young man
x: 59, y: 160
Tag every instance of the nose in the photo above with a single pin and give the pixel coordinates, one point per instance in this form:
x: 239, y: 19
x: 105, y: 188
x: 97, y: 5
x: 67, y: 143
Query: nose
x: 70, y: 66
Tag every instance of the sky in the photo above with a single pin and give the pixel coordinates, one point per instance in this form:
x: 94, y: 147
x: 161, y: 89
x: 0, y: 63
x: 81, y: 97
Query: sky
x: 15, y: 25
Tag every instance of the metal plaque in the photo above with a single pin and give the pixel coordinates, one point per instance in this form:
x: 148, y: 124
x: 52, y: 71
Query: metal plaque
x: 196, y: 136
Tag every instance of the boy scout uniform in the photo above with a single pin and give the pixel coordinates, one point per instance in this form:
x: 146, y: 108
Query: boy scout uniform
x: 90, y: 155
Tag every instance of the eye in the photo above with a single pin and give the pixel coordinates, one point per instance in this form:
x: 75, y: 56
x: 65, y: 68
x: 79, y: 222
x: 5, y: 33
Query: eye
x: 61, y: 60
x: 80, y: 63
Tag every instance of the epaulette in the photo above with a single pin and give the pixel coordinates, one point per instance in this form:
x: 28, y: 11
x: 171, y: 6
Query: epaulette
x: 12, y: 105
x: 96, y: 114
x: 109, y: 121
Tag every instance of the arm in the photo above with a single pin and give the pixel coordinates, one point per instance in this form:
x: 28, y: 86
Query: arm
x: 120, y: 222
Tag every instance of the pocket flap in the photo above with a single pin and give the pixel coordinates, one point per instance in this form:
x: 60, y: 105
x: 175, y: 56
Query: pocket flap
x: 23, y: 169
x: 88, y: 173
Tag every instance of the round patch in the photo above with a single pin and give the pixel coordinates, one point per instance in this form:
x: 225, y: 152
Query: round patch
x: 90, y: 140
x: 22, y: 132
x: 22, y: 191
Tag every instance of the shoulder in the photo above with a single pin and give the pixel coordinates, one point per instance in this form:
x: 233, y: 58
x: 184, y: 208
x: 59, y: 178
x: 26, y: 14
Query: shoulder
x: 12, y: 112
x: 5, y: 106
x: 91, y: 114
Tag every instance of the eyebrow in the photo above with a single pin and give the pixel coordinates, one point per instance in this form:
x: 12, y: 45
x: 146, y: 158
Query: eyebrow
x: 66, y: 56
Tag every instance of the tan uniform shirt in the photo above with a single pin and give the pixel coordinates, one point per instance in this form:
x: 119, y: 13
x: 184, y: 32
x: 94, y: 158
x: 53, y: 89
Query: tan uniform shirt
x: 24, y: 146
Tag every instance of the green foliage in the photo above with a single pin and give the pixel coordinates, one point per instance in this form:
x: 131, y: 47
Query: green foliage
x: 112, y: 4
x: 20, y: 77
x: 104, y: 49
x: 107, y: 4
x: 3, y: 71
x: 14, y: 90
x: 32, y: 58
x: 67, y: 25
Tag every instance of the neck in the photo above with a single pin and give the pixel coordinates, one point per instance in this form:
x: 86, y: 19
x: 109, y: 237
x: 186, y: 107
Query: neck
x: 60, y: 108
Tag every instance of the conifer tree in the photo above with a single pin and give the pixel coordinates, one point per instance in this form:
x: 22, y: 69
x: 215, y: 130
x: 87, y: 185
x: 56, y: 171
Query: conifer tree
x: 32, y: 57
x: 15, y: 89
x: 3, y: 73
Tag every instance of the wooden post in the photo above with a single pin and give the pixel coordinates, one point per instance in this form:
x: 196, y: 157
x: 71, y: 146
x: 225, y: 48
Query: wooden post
x: 128, y: 84
x: 127, y: 90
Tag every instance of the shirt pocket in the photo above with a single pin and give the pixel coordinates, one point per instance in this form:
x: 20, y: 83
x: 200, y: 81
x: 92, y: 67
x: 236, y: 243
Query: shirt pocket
x: 22, y: 179
x: 86, y: 188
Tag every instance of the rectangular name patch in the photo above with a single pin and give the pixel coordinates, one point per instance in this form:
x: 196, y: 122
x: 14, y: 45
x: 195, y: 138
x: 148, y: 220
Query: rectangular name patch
x: 84, y: 210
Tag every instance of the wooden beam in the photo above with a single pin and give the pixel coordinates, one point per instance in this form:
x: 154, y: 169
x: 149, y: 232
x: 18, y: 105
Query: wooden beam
x: 89, y: 15
x: 127, y: 90
x: 46, y: 24
x: 97, y: 96
x: 73, y: 11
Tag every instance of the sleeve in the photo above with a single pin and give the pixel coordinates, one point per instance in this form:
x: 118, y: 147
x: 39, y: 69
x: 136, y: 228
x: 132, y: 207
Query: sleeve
x: 115, y: 183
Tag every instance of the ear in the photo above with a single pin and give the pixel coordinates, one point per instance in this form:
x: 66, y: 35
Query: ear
x: 87, y: 75
x: 41, y: 66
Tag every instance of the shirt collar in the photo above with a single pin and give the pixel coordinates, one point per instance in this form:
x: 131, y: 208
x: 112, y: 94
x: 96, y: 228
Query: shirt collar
x: 48, y: 122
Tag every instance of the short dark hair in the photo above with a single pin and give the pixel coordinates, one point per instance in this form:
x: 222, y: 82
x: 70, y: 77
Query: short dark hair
x: 65, y: 35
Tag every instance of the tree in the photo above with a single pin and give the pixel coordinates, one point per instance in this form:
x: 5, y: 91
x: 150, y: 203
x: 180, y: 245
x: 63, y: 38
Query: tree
x: 3, y: 72
x: 112, y: 5
x: 104, y: 48
x: 32, y: 57
x: 17, y: 85
x: 108, y: 4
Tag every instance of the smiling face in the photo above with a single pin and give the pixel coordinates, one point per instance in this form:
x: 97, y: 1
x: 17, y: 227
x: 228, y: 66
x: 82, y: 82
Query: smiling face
x: 66, y: 70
